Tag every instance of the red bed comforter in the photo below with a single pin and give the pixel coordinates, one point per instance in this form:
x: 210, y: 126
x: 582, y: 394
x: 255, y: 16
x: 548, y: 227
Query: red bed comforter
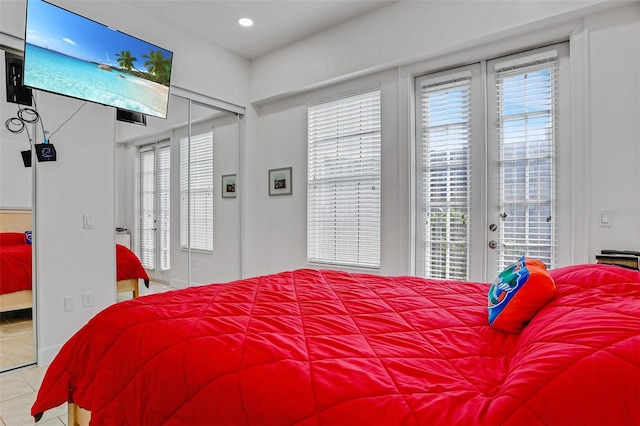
x: 320, y: 347
x: 15, y: 268
x: 129, y: 266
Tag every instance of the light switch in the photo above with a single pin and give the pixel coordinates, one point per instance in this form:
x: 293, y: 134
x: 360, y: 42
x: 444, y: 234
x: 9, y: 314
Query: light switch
x: 605, y: 218
x: 88, y: 221
x: 69, y: 303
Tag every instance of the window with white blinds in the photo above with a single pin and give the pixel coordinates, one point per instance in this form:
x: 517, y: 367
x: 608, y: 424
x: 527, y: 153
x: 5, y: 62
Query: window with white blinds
x: 155, y: 207
x: 526, y: 104
x: 196, y: 193
x: 147, y: 208
x: 501, y: 115
x: 343, y: 197
x: 444, y: 175
x: 163, y: 191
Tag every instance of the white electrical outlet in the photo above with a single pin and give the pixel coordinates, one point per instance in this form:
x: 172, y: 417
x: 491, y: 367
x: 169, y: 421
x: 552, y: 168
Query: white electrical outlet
x: 87, y: 299
x: 69, y: 303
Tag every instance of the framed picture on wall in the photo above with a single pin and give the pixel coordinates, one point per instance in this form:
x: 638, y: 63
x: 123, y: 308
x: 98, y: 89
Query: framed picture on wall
x: 280, y: 181
x: 229, y: 186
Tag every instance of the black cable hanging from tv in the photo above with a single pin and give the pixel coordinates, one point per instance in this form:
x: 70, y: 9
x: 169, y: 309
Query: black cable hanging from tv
x: 18, y: 124
x: 45, y: 151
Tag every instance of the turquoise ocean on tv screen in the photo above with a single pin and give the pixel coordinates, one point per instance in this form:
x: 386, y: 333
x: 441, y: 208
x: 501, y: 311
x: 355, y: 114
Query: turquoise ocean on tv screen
x: 55, y: 72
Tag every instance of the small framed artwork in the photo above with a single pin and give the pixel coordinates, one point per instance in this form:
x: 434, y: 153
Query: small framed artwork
x: 280, y: 181
x: 229, y: 186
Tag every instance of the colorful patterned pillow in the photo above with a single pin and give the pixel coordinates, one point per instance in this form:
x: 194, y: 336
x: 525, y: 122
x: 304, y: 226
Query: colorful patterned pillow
x: 518, y: 293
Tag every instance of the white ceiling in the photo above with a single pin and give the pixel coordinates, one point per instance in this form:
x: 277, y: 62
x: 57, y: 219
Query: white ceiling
x: 277, y: 22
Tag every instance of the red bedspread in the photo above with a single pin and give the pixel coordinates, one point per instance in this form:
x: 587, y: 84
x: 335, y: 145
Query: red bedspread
x: 320, y: 347
x: 129, y: 266
x: 15, y: 268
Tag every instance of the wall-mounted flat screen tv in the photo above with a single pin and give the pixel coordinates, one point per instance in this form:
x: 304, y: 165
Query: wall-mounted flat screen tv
x: 71, y: 55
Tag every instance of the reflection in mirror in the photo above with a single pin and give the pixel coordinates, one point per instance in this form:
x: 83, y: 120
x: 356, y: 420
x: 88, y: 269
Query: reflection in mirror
x: 17, y: 344
x: 169, y: 195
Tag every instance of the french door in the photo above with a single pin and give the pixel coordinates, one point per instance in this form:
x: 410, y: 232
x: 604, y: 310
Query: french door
x: 155, y: 209
x: 489, y: 184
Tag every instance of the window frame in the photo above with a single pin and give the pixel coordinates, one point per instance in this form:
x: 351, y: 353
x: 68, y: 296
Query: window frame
x: 186, y: 225
x: 479, y: 269
x: 155, y: 149
x: 454, y: 78
x: 328, y: 166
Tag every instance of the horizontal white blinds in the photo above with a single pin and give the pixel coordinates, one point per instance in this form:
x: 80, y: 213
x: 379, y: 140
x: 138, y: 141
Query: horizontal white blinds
x: 444, y: 130
x: 196, y: 193
x: 155, y: 208
x: 526, y: 96
x: 164, y: 206
x: 343, y: 198
x: 147, y: 208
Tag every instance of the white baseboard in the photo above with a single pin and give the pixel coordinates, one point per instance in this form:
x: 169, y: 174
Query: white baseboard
x: 175, y: 283
x: 46, y: 355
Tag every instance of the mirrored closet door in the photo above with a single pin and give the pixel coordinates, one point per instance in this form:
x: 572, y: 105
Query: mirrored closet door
x: 178, y: 192
x: 17, y: 325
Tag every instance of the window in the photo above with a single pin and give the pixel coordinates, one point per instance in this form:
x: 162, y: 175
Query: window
x: 472, y: 222
x: 155, y: 208
x: 526, y: 109
x: 445, y: 174
x: 196, y: 192
x: 343, y: 197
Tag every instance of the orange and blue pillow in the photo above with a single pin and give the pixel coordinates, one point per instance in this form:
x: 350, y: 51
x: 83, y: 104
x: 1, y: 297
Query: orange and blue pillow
x: 518, y: 293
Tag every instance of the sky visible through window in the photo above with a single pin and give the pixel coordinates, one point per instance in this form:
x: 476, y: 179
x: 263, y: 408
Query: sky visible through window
x: 57, y: 29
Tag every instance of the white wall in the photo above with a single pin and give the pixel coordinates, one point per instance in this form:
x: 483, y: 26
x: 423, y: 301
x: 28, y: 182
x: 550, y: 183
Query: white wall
x: 614, y: 130
x: 398, y: 34
x: 72, y: 260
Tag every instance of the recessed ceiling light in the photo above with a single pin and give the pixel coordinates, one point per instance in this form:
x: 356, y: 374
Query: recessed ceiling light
x: 245, y: 22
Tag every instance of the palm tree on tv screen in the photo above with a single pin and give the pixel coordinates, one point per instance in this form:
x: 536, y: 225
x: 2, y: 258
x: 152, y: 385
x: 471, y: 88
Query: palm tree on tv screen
x: 126, y: 60
x: 158, y: 66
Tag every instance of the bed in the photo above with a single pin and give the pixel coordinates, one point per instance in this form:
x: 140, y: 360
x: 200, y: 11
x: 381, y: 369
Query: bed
x: 15, y: 260
x: 16, y: 272
x: 309, y: 347
x: 129, y: 271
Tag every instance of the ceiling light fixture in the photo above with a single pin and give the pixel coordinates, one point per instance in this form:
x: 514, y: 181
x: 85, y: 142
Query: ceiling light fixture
x: 245, y: 22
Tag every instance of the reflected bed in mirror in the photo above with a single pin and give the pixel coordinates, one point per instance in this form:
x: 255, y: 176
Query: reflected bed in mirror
x: 152, y: 165
x: 15, y: 258
x: 16, y: 298
x: 15, y: 264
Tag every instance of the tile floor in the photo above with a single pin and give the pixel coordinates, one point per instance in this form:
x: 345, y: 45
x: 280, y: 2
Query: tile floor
x: 18, y: 388
x: 18, y: 392
x: 16, y: 338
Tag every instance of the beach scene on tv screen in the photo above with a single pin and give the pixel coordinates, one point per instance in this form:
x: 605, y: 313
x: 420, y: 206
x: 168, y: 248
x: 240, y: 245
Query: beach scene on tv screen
x: 71, y: 55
